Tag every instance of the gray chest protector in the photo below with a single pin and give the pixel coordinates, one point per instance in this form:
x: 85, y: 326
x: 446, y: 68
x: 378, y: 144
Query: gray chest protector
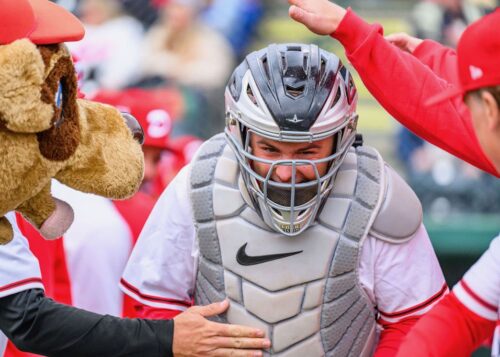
x: 303, y: 291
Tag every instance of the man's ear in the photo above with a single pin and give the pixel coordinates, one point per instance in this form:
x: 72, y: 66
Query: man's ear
x: 491, y: 110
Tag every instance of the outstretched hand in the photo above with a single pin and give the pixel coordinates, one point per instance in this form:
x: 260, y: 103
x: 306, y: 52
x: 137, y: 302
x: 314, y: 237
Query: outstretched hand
x: 194, y: 335
x: 320, y: 16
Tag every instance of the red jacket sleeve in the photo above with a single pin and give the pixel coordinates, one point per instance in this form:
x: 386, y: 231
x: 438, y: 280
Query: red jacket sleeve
x: 401, y: 83
x: 440, y: 59
x: 449, y: 329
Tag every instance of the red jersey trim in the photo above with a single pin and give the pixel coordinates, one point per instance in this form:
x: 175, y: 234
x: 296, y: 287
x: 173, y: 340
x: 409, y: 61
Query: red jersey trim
x: 136, y: 291
x: 477, y: 297
x: 20, y: 283
x: 420, y: 306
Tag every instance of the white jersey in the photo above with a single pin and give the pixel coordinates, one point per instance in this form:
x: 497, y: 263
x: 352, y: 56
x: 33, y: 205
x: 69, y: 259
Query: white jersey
x: 479, y: 290
x: 96, y: 247
x: 20, y: 270
x: 400, y: 279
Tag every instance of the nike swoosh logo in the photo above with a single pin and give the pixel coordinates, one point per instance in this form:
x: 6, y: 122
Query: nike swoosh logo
x: 244, y: 259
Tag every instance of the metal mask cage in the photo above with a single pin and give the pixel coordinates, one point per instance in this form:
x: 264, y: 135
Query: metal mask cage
x: 293, y: 219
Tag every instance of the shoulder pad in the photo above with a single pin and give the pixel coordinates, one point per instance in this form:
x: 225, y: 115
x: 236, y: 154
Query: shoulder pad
x: 400, y: 214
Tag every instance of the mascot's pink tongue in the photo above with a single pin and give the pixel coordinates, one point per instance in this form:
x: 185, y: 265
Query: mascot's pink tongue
x: 58, y: 223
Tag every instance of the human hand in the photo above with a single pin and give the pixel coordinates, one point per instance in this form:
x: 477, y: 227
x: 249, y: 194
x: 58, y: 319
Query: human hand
x: 194, y: 335
x: 404, y: 41
x: 320, y: 16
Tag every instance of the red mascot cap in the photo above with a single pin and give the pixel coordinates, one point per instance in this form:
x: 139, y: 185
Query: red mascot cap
x: 40, y: 21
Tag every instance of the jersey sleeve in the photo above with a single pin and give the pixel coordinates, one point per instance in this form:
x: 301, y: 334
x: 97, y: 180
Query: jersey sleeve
x: 449, y: 329
x: 402, y: 84
x: 479, y: 290
x: 406, y: 280
x: 20, y: 270
x: 161, y: 270
x: 465, y: 318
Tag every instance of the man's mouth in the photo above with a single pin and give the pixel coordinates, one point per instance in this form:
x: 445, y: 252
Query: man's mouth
x: 283, y: 196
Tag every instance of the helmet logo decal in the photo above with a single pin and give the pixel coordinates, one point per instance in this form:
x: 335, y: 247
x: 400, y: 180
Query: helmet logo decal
x: 294, y: 120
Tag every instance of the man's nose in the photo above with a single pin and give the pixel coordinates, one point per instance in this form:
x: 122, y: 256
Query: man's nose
x: 283, y: 173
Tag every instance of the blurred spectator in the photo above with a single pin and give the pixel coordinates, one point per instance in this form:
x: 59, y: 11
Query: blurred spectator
x: 237, y: 20
x: 443, y: 20
x: 143, y: 10
x: 181, y: 48
x: 446, y: 185
x: 109, y: 55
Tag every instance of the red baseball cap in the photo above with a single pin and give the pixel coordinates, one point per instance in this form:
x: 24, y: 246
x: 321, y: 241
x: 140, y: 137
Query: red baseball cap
x: 40, y: 21
x: 478, y: 54
x: 155, y: 109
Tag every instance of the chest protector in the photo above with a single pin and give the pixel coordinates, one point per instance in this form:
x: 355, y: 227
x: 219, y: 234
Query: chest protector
x: 304, y: 291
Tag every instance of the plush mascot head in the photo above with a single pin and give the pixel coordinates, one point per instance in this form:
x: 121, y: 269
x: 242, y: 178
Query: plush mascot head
x: 46, y: 131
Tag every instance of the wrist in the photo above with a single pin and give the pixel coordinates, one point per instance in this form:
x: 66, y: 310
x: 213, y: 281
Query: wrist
x: 337, y: 16
x: 169, y: 340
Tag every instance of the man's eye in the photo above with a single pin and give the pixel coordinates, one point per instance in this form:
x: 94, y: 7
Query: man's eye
x: 270, y: 149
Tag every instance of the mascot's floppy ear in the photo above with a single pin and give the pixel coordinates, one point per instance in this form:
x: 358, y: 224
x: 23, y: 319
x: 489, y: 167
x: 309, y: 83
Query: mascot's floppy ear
x: 22, y: 73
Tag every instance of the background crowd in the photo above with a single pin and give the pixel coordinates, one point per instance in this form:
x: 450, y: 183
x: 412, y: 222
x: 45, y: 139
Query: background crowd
x: 167, y: 62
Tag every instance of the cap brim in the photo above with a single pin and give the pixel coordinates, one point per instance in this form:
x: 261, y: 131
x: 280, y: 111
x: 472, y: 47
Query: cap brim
x: 449, y: 93
x: 54, y: 24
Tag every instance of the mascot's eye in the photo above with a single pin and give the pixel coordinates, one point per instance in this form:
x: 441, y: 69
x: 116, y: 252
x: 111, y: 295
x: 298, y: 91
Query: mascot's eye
x: 59, y: 96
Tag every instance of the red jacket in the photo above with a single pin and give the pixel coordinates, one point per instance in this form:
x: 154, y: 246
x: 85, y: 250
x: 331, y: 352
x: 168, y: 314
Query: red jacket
x: 401, y: 84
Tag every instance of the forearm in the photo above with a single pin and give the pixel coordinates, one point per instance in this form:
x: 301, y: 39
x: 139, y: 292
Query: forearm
x: 402, y: 84
x: 440, y: 59
x: 449, y: 329
x: 39, y: 325
x: 392, y: 336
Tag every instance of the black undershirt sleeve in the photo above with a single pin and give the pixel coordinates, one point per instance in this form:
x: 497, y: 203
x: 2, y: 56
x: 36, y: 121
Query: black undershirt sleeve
x: 37, y: 324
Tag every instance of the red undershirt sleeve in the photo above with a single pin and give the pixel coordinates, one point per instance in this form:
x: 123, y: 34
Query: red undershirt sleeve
x: 402, y: 84
x: 153, y: 313
x: 392, y: 336
x: 449, y: 329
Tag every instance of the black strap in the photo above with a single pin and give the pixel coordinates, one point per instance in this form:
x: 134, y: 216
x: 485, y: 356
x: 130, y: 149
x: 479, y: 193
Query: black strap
x: 358, y: 140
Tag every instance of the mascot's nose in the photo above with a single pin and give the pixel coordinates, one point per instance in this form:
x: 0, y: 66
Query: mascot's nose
x: 134, y: 127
